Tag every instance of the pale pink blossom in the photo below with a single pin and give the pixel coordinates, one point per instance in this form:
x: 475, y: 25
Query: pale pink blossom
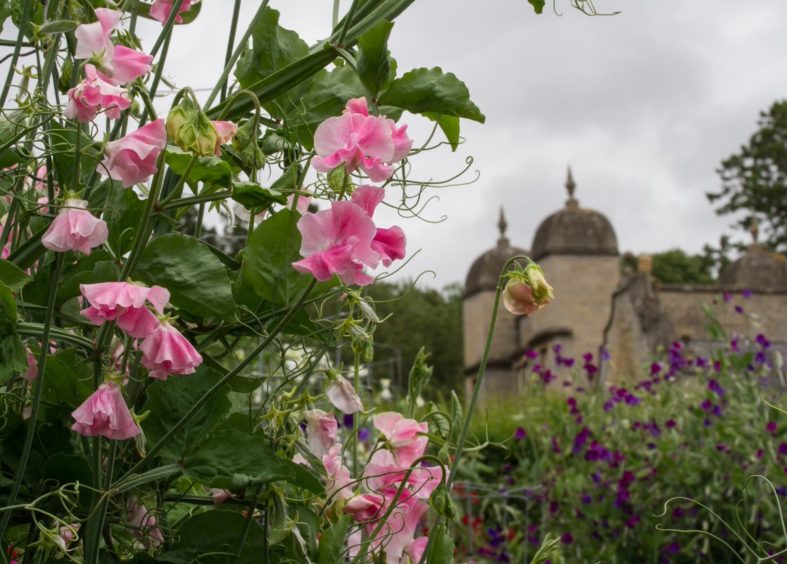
x: 75, y: 229
x: 225, y: 131
x: 357, y: 139
x: 415, y: 550
x: 128, y: 64
x: 133, y: 158
x: 343, y: 396
x: 389, y: 242
x: 384, y: 472
x: 321, y: 429
x: 105, y: 414
x: 143, y: 524
x: 220, y: 496
x: 165, y: 351
x: 67, y: 535
x: 405, y: 437
x: 32, y: 367
x: 338, y: 483
x: 93, y: 39
x: 125, y: 303
x: 161, y: 9
x: 302, y: 206
x: 95, y: 94
x: 39, y: 179
x: 337, y: 241
x: 527, y: 291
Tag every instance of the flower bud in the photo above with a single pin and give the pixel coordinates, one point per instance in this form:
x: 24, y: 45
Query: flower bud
x: 190, y: 129
x: 526, y: 290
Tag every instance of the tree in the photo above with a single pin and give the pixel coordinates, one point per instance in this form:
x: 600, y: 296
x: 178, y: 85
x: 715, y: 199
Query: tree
x: 677, y: 267
x: 754, y: 180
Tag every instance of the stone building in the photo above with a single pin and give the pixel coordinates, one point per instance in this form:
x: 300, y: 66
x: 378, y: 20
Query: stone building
x: 600, y: 306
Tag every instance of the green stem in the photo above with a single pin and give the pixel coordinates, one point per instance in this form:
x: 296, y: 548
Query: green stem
x: 17, y: 49
x: 38, y: 388
x: 166, y: 31
x: 230, y: 44
x: 235, y: 55
x: 157, y: 76
x: 216, y: 388
x: 249, y: 518
x: 356, y: 422
x: 198, y: 199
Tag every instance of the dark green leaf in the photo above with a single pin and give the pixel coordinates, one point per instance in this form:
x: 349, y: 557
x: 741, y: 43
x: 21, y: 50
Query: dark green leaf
x: 63, y: 145
x: 273, y: 48
x: 230, y: 458
x: 538, y: 5
x: 122, y: 212
x: 374, y: 68
x: 212, y: 537
x: 68, y: 379
x: 198, y: 282
x: 169, y: 401
x: 98, y: 267
x: 253, y: 196
x: 449, y: 125
x: 268, y: 258
x: 13, y: 276
x: 210, y: 170
x: 431, y: 90
x: 244, y: 384
x: 332, y: 542
x: 288, y: 181
x: 12, y: 350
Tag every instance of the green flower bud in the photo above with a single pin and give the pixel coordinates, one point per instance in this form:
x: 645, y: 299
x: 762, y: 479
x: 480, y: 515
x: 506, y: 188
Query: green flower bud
x: 190, y: 129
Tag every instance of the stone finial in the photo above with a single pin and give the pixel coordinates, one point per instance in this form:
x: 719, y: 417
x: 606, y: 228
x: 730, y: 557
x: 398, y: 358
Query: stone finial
x: 571, y: 187
x: 645, y: 264
x: 502, y: 225
x: 754, y: 229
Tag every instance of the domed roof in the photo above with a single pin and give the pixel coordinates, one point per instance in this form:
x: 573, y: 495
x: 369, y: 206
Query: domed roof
x: 758, y: 269
x: 574, y: 231
x: 485, y: 271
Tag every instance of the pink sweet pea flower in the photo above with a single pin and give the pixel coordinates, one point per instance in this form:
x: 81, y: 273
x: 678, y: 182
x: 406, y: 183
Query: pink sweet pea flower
x: 220, y: 496
x: 32, y: 367
x: 124, y: 302
x: 129, y: 64
x: 415, y: 550
x: 165, y: 351
x: 161, y: 9
x: 337, y: 241
x: 321, y: 428
x: 357, y: 139
x: 225, y: 131
x: 75, y: 229
x: 343, y: 396
x: 94, y: 94
x: 66, y: 536
x: 105, y: 414
x: 93, y: 40
x: 338, y: 482
x: 384, y: 473
x: 388, y: 242
x: 132, y: 159
x: 405, y: 437
x: 143, y: 524
x: 302, y: 207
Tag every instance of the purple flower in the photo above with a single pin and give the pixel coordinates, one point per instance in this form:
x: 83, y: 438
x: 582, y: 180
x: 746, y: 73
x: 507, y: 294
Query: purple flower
x: 771, y: 427
x: 520, y: 434
x: 783, y: 449
x: 702, y: 362
x: 567, y: 538
x: 632, y: 521
x: 715, y: 387
x: 672, y: 548
x: 580, y: 439
x: 555, y: 446
x: 670, y: 424
x: 727, y: 297
x: 746, y: 294
x: 586, y: 499
x: 531, y: 354
x: 738, y: 309
x: 364, y: 434
x: 763, y: 341
x: 347, y: 420
x: 655, y: 368
x: 734, y: 347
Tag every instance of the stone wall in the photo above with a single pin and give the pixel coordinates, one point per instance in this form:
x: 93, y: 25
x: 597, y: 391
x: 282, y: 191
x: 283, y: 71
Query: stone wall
x: 476, y: 312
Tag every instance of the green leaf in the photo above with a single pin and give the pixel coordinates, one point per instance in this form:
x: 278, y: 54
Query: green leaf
x: 68, y: 379
x: 12, y: 350
x: 538, y: 5
x: 442, y: 549
x: 449, y: 125
x: 332, y: 541
x: 244, y: 384
x: 273, y: 48
x: 288, y: 181
x: 210, y: 170
x: 268, y: 258
x: 212, y: 537
x: 58, y: 26
x: 230, y: 458
x: 63, y: 145
x: 169, y: 401
x: 374, y: 67
x: 98, y: 267
x: 197, y: 280
x: 122, y: 212
x: 13, y: 276
x: 431, y: 90
x: 253, y: 196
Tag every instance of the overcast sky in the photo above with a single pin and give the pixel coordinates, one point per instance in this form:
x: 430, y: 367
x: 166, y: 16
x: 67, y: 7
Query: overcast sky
x: 643, y: 106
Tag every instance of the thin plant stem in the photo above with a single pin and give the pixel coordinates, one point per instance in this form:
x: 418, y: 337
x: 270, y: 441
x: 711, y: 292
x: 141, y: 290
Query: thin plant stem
x: 17, y: 49
x: 230, y: 44
x: 38, y: 388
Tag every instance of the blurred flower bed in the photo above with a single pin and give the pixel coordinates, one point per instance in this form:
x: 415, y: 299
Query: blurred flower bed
x: 614, y: 471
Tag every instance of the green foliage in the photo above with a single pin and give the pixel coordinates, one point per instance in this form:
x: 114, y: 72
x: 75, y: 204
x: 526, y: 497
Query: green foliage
x: 210, y: 170
x: 374, y: 65
x: 253, y: 196
x: 332, y: 543
x: 754, y: 180
x: 198, y: 282
x: 420, y: 317
x: 538, y: 5
x: 12, y: 276
x: 12, y: 351
x: 677, y: 267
